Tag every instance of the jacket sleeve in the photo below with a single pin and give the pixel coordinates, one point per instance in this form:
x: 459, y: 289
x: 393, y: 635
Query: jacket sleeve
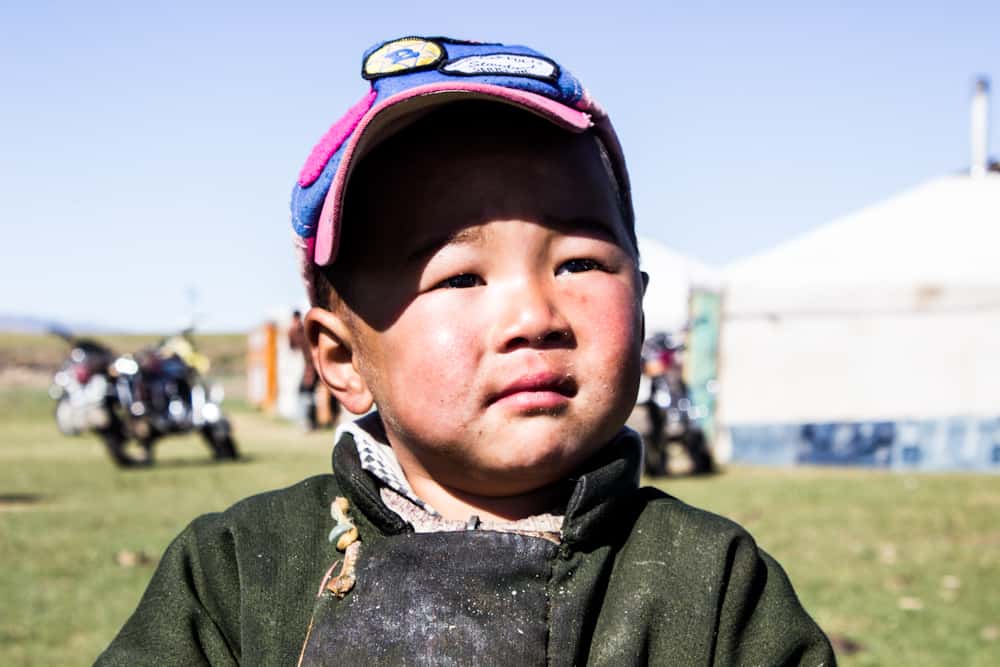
x: 189, y: 614
x: 761, y: 621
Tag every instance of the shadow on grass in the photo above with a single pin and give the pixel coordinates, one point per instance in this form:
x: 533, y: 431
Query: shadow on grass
x: 20, y: 498
x: 171, y: 464
x: 683, y: 474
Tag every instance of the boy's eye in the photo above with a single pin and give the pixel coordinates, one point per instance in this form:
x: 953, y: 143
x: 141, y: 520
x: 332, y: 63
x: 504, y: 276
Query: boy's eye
x: 461, y: 281
x: 577, y: 266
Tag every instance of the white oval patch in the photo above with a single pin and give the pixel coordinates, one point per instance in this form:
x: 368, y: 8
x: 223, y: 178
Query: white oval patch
x: 512, y: 64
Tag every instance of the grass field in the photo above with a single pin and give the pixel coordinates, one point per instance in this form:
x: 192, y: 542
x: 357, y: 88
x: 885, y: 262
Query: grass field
x: 901, y: 569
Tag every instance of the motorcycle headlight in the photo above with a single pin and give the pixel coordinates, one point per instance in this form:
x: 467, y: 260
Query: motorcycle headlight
x: 210, y: 413
x: 126, y: 366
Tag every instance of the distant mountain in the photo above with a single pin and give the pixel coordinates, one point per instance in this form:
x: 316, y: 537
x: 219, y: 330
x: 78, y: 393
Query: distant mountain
x: 12, y: 323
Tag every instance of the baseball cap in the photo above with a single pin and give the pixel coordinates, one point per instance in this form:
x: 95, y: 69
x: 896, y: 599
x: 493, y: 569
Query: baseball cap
x: 410, y: 77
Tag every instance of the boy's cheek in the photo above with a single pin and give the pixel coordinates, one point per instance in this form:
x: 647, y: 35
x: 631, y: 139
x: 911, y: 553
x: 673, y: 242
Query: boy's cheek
x: 439, y: 355
x: 611, y: 316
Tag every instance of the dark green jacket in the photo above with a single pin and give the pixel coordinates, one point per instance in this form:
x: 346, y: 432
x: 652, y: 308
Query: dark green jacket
x: 638, y: 578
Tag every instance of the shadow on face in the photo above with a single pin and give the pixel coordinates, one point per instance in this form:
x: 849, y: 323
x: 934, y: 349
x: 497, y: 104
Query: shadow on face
x: 452, y: 171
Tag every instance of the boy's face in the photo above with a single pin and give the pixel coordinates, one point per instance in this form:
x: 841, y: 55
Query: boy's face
x: 496, y: 307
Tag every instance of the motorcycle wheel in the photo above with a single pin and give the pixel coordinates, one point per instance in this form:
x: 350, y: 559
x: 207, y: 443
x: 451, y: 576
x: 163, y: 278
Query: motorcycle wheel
x: 220, y: 442
x: 696, y: 445
x: 115, y: 442
x: 655, y: 458
x: 655, y: 455
x: 64, y: 419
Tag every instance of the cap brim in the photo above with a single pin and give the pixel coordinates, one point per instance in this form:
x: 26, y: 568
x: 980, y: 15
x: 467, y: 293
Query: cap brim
x: 395, y: 113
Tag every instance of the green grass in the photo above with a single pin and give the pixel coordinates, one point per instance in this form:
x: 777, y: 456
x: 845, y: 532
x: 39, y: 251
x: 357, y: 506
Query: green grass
x: 865, y: 547
x: 855, y: 543
x: 65, y: 512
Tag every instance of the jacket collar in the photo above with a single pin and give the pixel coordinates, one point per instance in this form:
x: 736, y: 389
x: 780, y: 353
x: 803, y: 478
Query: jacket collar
x: 603, y: 490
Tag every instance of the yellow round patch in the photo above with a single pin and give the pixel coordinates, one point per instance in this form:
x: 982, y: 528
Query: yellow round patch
x: 401, y: 55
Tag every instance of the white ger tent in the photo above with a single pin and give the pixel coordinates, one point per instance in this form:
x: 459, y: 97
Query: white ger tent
x: 891, y: 313
x: 943, y: 231
x: 671, y: 278
x: 887, y: 318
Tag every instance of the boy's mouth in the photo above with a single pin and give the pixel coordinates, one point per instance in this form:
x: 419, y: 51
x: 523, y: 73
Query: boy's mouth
x: 536, y: 391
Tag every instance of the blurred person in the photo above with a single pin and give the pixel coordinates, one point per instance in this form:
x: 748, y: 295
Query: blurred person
x: 307, y: 385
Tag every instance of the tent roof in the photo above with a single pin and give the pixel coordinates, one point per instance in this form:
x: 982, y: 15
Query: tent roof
x: 671, y: 276
x: 943, y: 231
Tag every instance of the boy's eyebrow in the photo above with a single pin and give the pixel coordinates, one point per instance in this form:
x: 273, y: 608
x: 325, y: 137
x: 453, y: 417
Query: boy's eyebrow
x: 464, y: 236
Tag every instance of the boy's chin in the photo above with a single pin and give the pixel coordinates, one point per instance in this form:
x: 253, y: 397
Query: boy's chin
x: 528, y: 465
x: 546, y: 441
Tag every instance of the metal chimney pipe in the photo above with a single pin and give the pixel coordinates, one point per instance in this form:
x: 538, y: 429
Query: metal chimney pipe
x: 979, y: 134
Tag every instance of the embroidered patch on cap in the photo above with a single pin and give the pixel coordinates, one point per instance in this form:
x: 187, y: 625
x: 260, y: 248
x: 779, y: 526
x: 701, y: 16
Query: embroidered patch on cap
x: 402, y: 55
x: 509, y: 64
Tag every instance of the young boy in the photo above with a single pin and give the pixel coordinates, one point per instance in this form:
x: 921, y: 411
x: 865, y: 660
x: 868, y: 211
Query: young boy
x: 468, y: 245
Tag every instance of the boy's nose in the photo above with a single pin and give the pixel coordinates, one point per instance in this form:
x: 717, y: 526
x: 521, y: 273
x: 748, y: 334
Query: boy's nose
x: 531, y: 318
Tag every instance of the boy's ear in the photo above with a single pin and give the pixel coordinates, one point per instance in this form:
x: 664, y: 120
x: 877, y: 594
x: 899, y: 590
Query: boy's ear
x: 332, y: 348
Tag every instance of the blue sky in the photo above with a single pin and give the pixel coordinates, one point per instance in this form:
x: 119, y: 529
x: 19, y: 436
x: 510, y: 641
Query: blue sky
x: 147, y: 150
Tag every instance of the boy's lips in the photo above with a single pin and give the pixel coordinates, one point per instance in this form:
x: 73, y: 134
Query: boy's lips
x: 536, y: 391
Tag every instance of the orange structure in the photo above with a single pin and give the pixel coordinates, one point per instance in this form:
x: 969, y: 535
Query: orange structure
x: 262, y: 366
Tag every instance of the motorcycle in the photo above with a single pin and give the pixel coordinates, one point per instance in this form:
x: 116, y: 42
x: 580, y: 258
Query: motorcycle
x: 670, y: 411
x: 156, y: 392
x: 81, y: 387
